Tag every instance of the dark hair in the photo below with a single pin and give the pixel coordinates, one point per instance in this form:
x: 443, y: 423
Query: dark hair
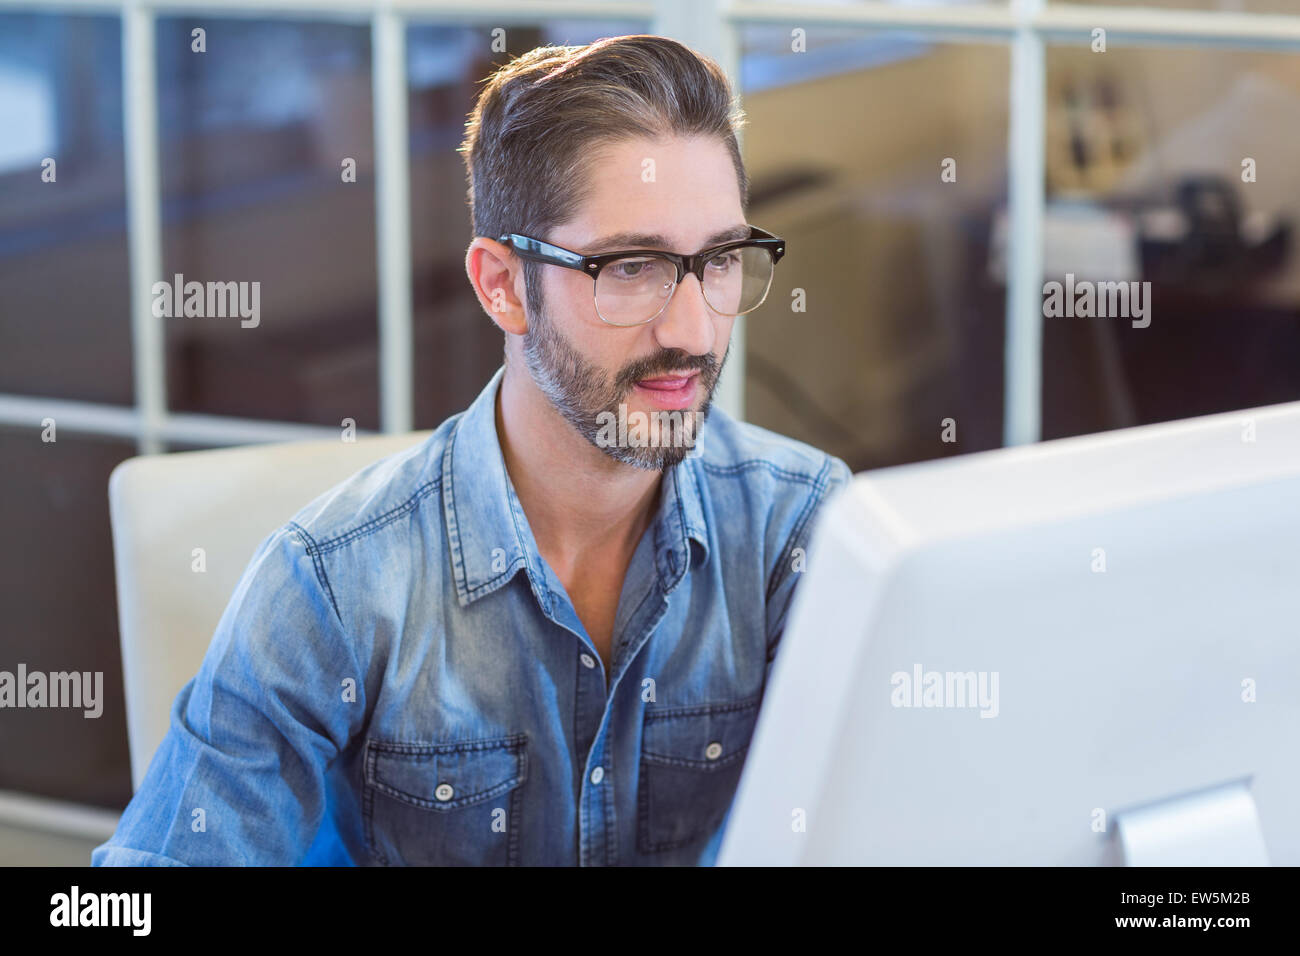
x: 531, y: 138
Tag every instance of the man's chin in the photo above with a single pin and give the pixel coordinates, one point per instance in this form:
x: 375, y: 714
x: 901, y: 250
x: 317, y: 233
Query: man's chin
x: 649, y: 437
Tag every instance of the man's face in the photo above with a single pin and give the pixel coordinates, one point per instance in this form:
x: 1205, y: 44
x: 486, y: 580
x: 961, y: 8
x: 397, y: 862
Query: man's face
x: 663, y: 372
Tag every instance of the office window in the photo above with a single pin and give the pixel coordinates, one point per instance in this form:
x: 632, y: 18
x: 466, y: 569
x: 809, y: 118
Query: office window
x: 64, y: 291
x: 254, y: 135
x: 60, y: 613
x: 1174, y: 167
x: 881, y: 158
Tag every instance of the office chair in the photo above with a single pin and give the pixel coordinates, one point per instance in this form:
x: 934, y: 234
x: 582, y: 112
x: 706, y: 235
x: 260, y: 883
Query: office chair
x: 163, y: 508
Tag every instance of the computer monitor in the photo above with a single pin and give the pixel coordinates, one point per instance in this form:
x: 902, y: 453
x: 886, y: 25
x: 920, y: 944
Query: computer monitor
x: 1081, y: 652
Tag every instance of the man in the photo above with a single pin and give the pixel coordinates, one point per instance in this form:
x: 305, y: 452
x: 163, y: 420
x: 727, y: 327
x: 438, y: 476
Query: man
x: 542, y: 636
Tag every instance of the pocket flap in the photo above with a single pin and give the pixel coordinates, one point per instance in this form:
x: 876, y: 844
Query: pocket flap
x: 702, y: 738
x: 446, y: 776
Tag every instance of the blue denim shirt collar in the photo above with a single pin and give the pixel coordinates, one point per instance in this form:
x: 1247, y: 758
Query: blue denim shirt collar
x: 488, y: 534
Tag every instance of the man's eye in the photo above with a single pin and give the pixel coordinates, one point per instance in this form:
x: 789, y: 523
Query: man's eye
x: 724, y: 261
x: 629, y: 268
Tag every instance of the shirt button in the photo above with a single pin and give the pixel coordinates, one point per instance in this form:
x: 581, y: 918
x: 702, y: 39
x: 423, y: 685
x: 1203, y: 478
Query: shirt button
x: 598, y: 775
x: 713, y: 751
x: 444, y: 791
x: 588, y: 660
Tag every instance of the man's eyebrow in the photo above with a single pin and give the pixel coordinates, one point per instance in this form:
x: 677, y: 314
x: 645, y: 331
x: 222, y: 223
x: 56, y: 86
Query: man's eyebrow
x: 646, y: 240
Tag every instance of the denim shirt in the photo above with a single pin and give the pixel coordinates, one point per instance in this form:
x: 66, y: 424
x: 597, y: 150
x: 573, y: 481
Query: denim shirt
x: 400, y: 678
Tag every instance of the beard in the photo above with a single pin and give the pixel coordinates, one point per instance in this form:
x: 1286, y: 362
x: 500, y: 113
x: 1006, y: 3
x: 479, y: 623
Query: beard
x: 589, y: 400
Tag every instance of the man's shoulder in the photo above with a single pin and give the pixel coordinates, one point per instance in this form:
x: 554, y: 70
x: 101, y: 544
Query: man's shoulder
x: 379, y: 495
x: 731, y: 449
x: 763, y: 490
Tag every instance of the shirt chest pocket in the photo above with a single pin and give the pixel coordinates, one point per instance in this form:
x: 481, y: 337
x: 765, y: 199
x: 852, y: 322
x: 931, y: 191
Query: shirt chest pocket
x: 448, y: 804
x: 691, y: 758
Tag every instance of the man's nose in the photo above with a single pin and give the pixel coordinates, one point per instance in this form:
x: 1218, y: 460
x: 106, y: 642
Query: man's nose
x: 687, y: 321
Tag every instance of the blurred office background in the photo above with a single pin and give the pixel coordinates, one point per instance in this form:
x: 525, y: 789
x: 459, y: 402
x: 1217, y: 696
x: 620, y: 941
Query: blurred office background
x: 906, y: 275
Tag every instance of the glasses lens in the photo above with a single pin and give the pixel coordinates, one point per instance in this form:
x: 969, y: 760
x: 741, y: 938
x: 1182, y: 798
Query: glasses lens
x: 737, y: 280
x: 632, y: 290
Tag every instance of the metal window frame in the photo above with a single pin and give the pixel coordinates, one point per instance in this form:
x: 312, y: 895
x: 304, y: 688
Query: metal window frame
x: 710, y: 26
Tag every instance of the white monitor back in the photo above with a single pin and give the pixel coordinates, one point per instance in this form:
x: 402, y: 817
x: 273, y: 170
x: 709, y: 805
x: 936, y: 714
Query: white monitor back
x: 1136, y: 597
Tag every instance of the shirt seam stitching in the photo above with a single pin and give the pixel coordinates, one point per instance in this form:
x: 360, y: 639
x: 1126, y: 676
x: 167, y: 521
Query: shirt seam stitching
x: 313, y: 550
x: 379, y: 521
x: 820, y: 484
x: 733, y: 470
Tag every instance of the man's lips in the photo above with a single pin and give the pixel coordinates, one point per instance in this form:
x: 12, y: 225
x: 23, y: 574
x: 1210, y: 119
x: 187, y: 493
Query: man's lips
x: 670, y: 391
x: 668, y: 382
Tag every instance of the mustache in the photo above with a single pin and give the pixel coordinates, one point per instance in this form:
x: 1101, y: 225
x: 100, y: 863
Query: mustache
x: 666, y: 361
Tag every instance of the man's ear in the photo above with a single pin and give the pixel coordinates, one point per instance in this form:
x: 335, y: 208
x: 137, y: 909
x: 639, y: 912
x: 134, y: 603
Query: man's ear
x: 497, y: 277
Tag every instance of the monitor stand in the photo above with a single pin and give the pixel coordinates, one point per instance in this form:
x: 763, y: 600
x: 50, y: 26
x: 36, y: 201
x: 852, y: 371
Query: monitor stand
x: 1214, y: 827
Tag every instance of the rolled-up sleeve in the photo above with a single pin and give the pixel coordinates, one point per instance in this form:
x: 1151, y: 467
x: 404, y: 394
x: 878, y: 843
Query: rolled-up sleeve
x: 239, y: 778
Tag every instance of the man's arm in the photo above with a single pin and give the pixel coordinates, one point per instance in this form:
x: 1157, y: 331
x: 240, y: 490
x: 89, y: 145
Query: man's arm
x: 239, y: 777
x: 792, y: 561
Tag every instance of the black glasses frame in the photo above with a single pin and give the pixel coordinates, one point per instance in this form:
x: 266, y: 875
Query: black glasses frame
x: 529, y: 248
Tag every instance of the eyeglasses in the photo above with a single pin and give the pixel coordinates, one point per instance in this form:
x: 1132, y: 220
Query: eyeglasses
x: 633, y: 287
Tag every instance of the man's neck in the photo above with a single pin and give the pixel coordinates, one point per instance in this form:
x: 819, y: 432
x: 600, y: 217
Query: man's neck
x: 578, y: 500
